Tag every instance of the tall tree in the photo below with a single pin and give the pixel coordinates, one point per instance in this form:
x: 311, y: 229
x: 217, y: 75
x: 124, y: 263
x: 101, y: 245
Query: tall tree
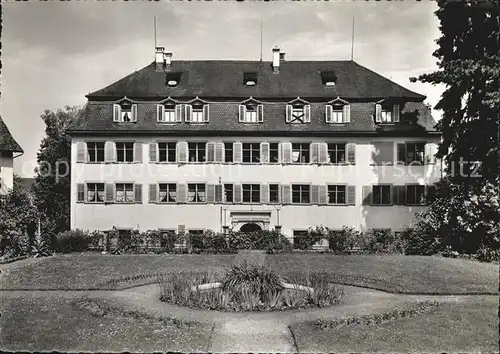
x: 53, y: 175
x: 469, y: 67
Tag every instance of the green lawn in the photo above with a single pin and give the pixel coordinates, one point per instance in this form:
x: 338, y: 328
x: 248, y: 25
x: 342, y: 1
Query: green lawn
x: 82, y: 271
x: 55, y: 324
x: 471, y: 327
x: 397, y: 273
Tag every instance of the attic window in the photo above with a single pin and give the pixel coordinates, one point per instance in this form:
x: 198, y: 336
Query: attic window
x: 173, y: 79
x: 328, y: 78
x: 250, y: 78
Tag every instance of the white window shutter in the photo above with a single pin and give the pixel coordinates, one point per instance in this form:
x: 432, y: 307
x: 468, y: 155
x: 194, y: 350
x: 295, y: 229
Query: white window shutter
x: 219, y: 150
x: 206, y: 114
x: 430, y: 152
x: 323, y: 153
x: 378, y: 112
x: 237, y: 152
x: 110, y: 192
x: 328, y: 113
x: 160, y: 113
x: 109, y: 151
x: 138, y: 193
x: 307, y: 113
x: 286, y: 152
x: 314, y: 194
x: 351, y: 195
x: 134, y: 113
x: 81, y: 152
x: 395, y: 113
x: 178, y: 113
x: 242, y: 111
x: 153, y: 194
x: 322, y: 194
x: 210, y: 193
x: 80, y: 193
x: 153, y: 156
x: 189, y: 113
x: 264, y: 193
x: 210, y: 152
x: 138, y: 152
x: 288, y: 113
x: 117, y: 112
x: 182, y: 152
x: 264, y: 152
x: 347, y: 113
x: 260, y: 113
x: 314, y: 153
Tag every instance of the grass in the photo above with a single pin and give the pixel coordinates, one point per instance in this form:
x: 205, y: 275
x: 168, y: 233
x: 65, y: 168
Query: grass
x: 56, y: 324
x: 468, y: 327
x: 396, y: 273
x: 84, y: 271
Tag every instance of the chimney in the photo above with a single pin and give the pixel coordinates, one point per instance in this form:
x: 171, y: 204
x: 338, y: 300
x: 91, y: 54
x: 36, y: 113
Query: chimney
x: 159, y: 60
x: 168, y: 60
x: 282, y: 56
x: 276, y: 60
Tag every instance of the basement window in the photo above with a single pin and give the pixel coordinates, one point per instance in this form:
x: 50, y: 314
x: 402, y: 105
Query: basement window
x: 250, y: 78
x: 328, y: 78
x: 173, y: 79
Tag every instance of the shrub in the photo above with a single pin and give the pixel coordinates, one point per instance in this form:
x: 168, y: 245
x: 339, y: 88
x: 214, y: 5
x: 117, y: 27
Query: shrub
x: 263, y: 240
x: 73, y: 241
x: 486, y: 254
x: 343, y: 240
x: 313, y: 235
x: 419, y: 241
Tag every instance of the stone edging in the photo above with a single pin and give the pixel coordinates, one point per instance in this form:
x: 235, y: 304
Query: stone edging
x: 375, y: 319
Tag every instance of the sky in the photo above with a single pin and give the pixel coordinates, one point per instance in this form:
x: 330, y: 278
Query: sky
x: 54, y: 53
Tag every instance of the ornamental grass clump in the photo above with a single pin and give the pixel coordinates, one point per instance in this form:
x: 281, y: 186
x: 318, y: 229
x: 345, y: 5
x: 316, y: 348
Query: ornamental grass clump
x: 251, y: 278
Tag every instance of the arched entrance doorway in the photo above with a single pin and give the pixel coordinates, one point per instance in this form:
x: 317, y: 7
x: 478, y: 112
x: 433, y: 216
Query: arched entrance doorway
x: 250, y: 227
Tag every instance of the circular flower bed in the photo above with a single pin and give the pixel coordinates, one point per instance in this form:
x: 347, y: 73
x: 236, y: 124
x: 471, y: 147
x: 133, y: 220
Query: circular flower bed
x: 249, y: 287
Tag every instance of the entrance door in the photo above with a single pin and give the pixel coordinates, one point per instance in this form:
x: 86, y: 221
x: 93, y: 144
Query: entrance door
x: 250, y: 227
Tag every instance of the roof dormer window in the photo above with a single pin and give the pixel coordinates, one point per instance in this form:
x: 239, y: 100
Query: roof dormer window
x: 197, y: 111
x: 251, y: 111
x: 338, y: 111
x: 173, y: 79
x: 250, y: 78
x: 169, y: 111
x: 386, y: 112
x: 298, y: 111
x: 124, y: 111
x: 328, y: 78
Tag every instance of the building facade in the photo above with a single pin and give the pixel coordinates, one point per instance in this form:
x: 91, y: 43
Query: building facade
x: 187, y: 146
x: 8, y: 148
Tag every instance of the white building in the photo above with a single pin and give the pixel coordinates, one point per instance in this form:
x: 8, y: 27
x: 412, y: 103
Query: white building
x: 194, y: 145
x: 8, y: 147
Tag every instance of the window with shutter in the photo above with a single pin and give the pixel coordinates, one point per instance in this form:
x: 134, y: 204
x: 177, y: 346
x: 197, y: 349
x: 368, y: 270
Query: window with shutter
x: 228, y: 193
x: 383, y: 152
x: 382, y: 195
x: 251, y: 193
x: 337, y: 152
x: 228, y: 152
x: 95, y: 151
x: 167, y: 193
x: 337, y: 194
x: 298, y: 111
x: 415, y: 194
x: 95, y: 193
x: 274, y: 193
x: 125, y: 111
x: 301, y: 193
x: 167, y: 151
x: 367, y: 195
x: 251, y: 111
x: 251, y: 152
x: 124, y: 151
x: 301, y: 152
x: 274, y: 156
x: 124, y: 193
